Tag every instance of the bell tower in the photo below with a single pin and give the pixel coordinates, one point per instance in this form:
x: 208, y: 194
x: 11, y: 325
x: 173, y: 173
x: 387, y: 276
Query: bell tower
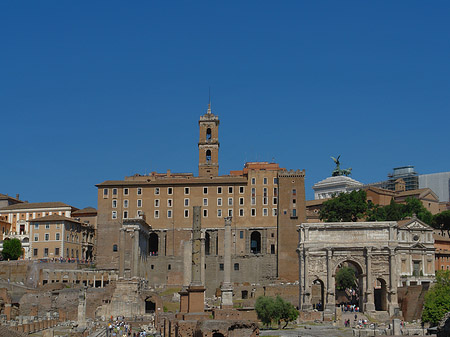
x: 208, y: 145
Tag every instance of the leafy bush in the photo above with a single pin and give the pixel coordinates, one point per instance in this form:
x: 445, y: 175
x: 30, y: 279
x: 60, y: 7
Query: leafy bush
x: 437, y: 299
x: 12, y: 249
x: 278, y: 310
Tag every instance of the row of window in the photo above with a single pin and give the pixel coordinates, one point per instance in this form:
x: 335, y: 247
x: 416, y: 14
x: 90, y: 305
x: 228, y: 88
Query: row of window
x: 205, y: 202
x: 33, y: 215
x: 157, y: 190
x: 75, y: 253
x: 156, y: 214
x: 47, y: 237
x: 265, y: 181
x: 70, y: 238
x: 47, y: 226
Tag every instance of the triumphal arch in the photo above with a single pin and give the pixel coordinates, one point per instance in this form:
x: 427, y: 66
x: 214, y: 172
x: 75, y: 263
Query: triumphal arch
x: 369, y: 248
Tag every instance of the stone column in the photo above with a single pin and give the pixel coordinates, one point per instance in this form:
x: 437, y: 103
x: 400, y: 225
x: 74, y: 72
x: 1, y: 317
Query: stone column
x: 136, y: 253
x: 264, y: 242
x: 307, y: 294
x: 82, y: 308
x: 187, y: 269
x: 300, y: 280
x: 393, y: 307
x: 330, y: 301
x: 196, y: 291
x: 196, y: 247
x: 8, y: 311
x: 121, y: 253
x: 369, y: 304
x: 227, y: 286
x: 203, y: 257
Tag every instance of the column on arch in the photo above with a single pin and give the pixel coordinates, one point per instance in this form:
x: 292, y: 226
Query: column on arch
x: 369, y: 304
x: 330, y: 284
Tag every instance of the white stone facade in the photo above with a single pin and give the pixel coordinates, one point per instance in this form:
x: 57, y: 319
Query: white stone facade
x: 335, y: 185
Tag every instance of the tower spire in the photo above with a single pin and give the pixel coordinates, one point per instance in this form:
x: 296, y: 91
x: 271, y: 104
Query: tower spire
x: 209, y: 101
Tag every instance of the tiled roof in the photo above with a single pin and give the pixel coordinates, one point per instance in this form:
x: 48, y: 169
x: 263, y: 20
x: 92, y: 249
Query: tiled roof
x: 53, y: 217
x: 438, y: 237
x: 317, y: 202
x: 167, y: 181
x: 8, y: 197
x: 35, y: 205
x: 86, y: 210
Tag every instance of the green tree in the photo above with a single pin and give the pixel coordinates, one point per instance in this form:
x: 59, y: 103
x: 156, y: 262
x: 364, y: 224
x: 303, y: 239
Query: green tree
x: 415, y: 206
x: 12, y: 249
x: 396, y: 212
x: 285, y: 311
x: 345, y: 207
x: 265, y: 307
x: 275, y: 310
x: 345, y: 278
x: 375, y: 212
x: 437, y: 299
x: 442, y: 221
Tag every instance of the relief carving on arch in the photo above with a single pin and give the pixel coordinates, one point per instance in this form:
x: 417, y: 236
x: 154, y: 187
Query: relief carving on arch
x: 317, y: 265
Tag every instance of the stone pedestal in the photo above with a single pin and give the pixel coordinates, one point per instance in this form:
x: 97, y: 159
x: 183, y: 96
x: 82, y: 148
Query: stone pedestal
x: 329, y: 311
x: 227, y: 296
x: 396, y: 328
x: 196, y: 299
x: 184, y: 301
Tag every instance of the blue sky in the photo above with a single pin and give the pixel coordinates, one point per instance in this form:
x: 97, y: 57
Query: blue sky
x: 97, y: 90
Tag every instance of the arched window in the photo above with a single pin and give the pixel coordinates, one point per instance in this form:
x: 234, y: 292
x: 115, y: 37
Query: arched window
x: 208, y: 134
x: 207, y: 244
x: 208, y: 155
x: 255, y: 242
x: 153, y: 243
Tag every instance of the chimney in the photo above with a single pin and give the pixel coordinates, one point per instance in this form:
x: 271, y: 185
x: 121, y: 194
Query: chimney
x: 17, y: 196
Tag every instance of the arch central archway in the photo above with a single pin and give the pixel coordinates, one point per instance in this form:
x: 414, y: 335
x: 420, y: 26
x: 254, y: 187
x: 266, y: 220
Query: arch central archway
x: 349, y: 284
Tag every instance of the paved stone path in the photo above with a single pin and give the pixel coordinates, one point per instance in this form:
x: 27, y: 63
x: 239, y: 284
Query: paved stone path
x: 310, y: 330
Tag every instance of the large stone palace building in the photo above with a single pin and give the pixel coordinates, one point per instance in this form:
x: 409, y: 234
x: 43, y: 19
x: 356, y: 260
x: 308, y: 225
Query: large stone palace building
x: 266, y: 204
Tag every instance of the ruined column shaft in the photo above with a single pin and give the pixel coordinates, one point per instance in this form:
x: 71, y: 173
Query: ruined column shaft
x: 227, y: 252
x: 196, y: 291
x: 187, y: 263
x: 121, y: 253
x: 227, y: 288
x: 196, y: 248
x: 136, y: 253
